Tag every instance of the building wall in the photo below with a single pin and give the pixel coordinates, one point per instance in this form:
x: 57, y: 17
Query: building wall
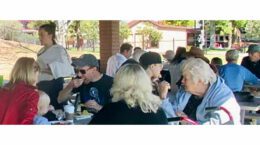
x: 171, y: 39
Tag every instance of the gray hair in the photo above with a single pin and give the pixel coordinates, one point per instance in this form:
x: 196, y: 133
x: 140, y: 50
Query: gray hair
x: 232, y: 55
x: 134, y: 86
x: 137, y: 54
x: 199, y: 70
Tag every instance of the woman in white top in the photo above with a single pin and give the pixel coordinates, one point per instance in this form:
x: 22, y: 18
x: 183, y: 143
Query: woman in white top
x: 54, y: 62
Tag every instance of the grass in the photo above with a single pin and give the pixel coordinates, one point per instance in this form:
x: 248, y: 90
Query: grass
x: 210, y: 53
x: 75, y: 53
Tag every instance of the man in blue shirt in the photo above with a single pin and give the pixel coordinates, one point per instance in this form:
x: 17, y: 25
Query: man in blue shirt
x: 234, y: 74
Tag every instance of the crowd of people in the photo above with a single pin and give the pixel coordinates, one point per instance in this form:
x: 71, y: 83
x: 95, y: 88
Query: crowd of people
x: 137, y: 88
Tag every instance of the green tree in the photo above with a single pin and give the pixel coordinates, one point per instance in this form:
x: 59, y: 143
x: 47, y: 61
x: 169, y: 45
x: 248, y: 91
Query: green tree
x: 184, y: 23
x: 124, y: 31
x: 90, y: 31
x: 253, y: 30
x: 35, y: 24
x: 74, y: 31
x: 226, y: 27
x: 150, y: 35
x: 237, y: 25
x: 9, y: 30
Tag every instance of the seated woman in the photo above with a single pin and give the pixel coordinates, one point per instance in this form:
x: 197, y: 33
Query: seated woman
x: 19, y: 98
x: 202, y: 88
x: 133, y: 101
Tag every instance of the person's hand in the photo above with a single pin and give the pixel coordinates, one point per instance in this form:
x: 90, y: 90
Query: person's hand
x: 163, y: 89
x: 51, y: 108
x: 181, y: 114
x: 75, y: 83
x: 93, y: 105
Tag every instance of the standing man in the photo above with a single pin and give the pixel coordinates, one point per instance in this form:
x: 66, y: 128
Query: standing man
x: 252, y: 61
x: 115, y: 61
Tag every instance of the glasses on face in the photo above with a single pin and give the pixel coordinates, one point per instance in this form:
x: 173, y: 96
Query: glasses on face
x: 82, y: 71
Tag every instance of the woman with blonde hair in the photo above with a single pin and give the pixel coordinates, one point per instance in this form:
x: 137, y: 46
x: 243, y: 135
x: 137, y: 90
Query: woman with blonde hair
x: 133, y: 100
x: 19, y: 98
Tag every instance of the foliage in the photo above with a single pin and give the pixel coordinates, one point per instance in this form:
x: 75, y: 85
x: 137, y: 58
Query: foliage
x: 89, y: 30
x: 27, y: 38
x: 10, y: 29
x: 37, y: 23
x: 223, y: 27
x: 239, y: 23
x: 253, y: 30
x: 124, y: 30
x: 150, y: 34
x: 73, y: 28
x: 183, y: 23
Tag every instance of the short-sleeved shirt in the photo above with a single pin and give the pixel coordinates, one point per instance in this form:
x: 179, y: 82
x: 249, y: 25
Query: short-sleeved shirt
x: 57, y: 59
x: 98, y: 91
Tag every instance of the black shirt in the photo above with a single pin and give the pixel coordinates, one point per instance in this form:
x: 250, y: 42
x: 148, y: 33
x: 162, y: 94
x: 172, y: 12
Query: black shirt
x: 120, y: 113
x: 191, y: 107
x: 98, y: 91
x: 254, y: 67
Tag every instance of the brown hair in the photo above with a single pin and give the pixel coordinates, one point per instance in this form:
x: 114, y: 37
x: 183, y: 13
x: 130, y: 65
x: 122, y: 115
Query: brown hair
x: 50, y: 29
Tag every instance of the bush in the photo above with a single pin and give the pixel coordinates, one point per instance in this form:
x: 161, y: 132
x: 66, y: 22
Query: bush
x: 9, y: 29
x: 26, y: 38
x: 12, y: 30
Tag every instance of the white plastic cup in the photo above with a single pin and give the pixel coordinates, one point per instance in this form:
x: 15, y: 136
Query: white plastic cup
x: 69, y: 112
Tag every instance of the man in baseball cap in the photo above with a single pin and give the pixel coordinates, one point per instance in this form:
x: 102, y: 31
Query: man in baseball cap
x: 152, y: 63
x: 252, y: 61
x: 86, y: 60
x: 92, y: 85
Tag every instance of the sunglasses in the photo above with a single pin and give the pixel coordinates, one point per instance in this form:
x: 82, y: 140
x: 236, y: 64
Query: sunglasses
x: 82, y: 71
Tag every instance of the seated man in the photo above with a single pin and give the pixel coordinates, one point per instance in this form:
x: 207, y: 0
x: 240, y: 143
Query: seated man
x: 235, y: 75
x: 92, y: 85
x: 216, y: 61
x: 252, y: 61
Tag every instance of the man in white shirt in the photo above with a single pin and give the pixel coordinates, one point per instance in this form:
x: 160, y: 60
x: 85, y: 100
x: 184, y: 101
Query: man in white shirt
x: 115, y: 61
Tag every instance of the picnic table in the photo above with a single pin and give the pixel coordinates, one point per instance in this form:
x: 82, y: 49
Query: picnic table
x: 253, y: 106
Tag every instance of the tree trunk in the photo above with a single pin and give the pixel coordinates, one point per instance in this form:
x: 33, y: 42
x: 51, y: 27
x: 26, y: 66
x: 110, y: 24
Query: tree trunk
x: 229, y: 40
x: 62, y: 30
x: 77, y: 34
x: 230, y: 36
x: 93, y: 45
x: 212, y: 34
